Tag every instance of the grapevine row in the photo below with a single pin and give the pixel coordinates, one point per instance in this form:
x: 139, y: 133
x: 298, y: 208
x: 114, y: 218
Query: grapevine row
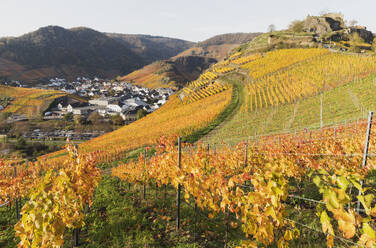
x: 307, y: 79
x: 214, y: 180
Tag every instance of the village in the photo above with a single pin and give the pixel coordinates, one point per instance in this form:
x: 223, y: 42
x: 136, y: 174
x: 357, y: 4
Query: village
x: 108, y: 100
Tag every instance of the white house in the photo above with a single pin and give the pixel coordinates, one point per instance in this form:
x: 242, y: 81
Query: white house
x: 154, y: 107
x: 61, y: 107
x: 102, y: 112
x: 82, y: 110
x: 118, y: 88
x: 70, y: 91
x: 114, y: 108
x: 134, y: 102
x: 161, y: 102
x: 85, y: 86
x: 70, y: 108
x: 103, y: 101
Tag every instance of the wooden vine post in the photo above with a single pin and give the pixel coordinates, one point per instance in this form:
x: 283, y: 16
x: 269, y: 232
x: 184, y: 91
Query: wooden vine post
x: 246, y: 154
x: 321, y: 112
x: 144, y: 190
x: 365, y: 153
x: 76, y: 233
x: 179, y: 188
x: 16, y: 200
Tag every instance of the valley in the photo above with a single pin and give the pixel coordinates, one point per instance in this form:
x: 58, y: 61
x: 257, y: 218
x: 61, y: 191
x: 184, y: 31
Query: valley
x: 240, y: 140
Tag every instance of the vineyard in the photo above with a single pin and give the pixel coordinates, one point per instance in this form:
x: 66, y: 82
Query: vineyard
x: 205, y: 91
x: 206, y: 85
x: 260, y: 184
x: 30, y: 102
x: 174, y: 118
x: 267, y: 189
x: 279, y: 59
x: 245, y: 60
x: 284, y: 88
x: 309, y: 78
x: 274, y: 166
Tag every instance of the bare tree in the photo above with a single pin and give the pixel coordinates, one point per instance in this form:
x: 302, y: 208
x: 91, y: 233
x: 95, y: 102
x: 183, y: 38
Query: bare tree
x: 271, y: 28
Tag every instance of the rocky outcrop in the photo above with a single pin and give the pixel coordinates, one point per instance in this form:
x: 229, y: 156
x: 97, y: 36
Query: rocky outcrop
x: 362, y: 31
x: 323, y: 24
x: 331, y: 27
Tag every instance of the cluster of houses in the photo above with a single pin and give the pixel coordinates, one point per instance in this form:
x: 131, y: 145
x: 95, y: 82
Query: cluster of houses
x: 107, y: 98
x: 90, y: 88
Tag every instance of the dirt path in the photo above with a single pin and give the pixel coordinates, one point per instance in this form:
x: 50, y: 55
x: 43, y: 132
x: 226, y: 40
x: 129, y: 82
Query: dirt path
x: 238, y: 85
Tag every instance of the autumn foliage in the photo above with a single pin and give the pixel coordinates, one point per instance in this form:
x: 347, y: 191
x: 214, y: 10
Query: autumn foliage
x: 255, y: 189
x: 57, y: 201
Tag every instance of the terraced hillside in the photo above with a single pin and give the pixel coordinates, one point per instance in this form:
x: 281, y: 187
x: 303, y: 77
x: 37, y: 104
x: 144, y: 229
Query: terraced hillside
x: 189, y: 119
x: 174, y: 118
x: 28, y: 102
x: 283, y: 90
x: 273, y: 92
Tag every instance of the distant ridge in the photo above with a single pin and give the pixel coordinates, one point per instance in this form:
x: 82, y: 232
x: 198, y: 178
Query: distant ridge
x: 219, y: 46
x: 55, y: 51
x: 187, y: 65
x: 152, y: 48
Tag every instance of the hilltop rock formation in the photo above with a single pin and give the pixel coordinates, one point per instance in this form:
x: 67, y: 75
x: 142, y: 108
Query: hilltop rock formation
x: 331, y: 27
x: 324, y: 24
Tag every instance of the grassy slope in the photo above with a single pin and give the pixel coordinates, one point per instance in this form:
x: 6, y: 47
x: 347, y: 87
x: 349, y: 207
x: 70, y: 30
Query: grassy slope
x: 347, y: 102
x: 237, y: 93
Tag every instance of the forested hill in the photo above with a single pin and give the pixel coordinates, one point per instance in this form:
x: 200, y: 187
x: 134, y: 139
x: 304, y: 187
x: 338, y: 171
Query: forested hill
x: 56, y: 51
x: 152, y: 48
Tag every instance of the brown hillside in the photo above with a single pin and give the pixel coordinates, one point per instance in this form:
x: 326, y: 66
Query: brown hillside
x: 219, y: 46
x: 217, y: 52
x: 170, y: 73
x: 58, y: 52
x: 8, y: 68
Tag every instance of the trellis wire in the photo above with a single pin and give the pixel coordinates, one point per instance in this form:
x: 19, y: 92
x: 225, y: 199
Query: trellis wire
x: 319, y: 231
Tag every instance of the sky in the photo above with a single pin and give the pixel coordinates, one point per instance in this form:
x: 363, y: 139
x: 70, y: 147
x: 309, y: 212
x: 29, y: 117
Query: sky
x: 193, y: 20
